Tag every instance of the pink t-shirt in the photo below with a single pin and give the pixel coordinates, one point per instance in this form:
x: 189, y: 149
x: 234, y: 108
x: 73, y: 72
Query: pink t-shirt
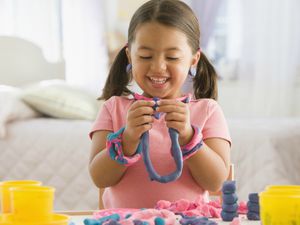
x: 135, y: 189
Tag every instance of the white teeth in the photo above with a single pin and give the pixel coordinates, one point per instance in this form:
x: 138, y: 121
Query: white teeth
x: 158, y: 80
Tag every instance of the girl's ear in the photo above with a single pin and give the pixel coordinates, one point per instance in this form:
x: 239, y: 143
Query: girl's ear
x: 196, y: 59
x: 128, y: 55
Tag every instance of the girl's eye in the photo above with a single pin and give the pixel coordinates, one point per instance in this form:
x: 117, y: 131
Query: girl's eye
x: 172, y: 58
x: 145, y: 57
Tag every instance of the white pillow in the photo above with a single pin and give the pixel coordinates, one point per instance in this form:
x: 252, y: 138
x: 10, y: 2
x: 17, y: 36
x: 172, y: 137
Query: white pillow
x: 12, y: 107
x: 57, y: 99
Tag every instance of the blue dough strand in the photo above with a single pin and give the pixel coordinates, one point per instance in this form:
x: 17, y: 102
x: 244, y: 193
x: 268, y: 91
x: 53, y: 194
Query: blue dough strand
x: 175, y: 152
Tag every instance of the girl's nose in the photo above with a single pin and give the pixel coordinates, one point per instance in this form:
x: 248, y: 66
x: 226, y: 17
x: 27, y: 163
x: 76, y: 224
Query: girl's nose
x: 158, y: 65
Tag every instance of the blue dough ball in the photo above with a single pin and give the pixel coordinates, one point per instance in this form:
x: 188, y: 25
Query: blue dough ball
x: 137, y: 222
x: 253, y: 207
x: 91, y: 222
x: 253, y: 197
x: 253, y: 216
x: 228, y: 187
x: 211, y: 223
x: 227, y: 216
x: 230, y: 198
x: 112, y: 222
x: 230, y: 207
x: 159, y: 221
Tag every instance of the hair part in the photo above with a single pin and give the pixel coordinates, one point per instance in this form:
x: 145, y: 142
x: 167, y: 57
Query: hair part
x: 173, y: 13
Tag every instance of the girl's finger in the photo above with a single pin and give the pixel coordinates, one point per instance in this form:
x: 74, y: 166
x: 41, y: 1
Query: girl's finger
x: 175, y: 116
x: 145, y: 110
x: 141, y: 103
x: 142, y: 120
x: 171, y: 108
x: 170, y: 102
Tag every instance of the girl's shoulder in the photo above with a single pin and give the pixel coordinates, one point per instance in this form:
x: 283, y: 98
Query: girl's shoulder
x: 117, y: 101
x: 206, y: 105
x: 204, y: 102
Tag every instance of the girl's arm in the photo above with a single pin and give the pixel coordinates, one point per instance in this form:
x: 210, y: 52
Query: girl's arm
x: 104, y: 171
x: 210, y: 165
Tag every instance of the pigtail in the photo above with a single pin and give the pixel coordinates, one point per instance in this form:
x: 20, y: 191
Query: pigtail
x: 205, y: 81
x: 118, y: 78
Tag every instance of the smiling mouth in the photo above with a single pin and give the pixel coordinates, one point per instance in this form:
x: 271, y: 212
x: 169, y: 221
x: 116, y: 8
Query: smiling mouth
x: 156, y: 80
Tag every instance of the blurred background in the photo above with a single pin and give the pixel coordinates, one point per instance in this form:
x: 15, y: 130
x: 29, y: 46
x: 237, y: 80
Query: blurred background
x: 254, y: 45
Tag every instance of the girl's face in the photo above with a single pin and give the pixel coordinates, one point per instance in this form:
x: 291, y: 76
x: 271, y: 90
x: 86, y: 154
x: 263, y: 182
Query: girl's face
x: 160, y: 58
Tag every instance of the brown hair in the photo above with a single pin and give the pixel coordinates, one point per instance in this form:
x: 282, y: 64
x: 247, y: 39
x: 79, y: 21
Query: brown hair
x: 172, y: 13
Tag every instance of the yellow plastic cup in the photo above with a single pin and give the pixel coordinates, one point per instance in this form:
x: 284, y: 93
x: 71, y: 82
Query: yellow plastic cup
x: 32, y: 203
x: 283, y: 187
x: 279, y: 206
x: 55, y: 219
x: 5, y: 191
x: 4, y: 219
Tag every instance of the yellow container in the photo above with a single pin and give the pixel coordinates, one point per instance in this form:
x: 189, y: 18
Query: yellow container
x: 5, y: 191
x: 32, y: 203
x: 55, y: 219
x: 282, y: 187
x: 280, y: 207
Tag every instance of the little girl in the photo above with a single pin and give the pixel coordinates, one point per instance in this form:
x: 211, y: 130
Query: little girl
x: 162, y: 52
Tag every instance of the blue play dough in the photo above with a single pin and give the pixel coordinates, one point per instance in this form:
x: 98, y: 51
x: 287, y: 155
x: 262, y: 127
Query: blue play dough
x: 91, y: 222
x: 230, y: 198
x: 176, y: 153
x: 228, y: 216
x: 253, y: 207
x: 253, y: 216
x: 229, y: 187
x: 196, y: 221
x: 156, y: 114
x: 230, y: 207
x: 138, y: 222
x: 100, y: 221
x: 159, y: 221
x: 113, y: 222
x: 253, y: 197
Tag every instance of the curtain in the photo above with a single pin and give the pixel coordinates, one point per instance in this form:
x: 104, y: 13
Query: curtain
x: 84, y: 41
x: 37, y: 21
x: 206, y: 12
x: 269, y: 64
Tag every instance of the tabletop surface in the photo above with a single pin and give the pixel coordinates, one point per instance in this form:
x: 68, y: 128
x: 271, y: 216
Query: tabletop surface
x: 78, y: 220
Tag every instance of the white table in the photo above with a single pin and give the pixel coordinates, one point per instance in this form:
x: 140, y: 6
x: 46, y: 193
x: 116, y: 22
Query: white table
x: 78, y: 219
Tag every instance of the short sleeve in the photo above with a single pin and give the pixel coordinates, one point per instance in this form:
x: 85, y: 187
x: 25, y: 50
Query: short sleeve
x: 103, y: 120
x: 215, y: 125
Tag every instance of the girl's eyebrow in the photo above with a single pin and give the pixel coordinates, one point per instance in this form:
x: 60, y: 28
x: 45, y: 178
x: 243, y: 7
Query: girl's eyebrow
x: 150, y: 49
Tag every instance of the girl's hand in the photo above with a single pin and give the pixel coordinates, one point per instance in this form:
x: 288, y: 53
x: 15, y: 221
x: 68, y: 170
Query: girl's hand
x: 139, y: 120
x: 178, y: 118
